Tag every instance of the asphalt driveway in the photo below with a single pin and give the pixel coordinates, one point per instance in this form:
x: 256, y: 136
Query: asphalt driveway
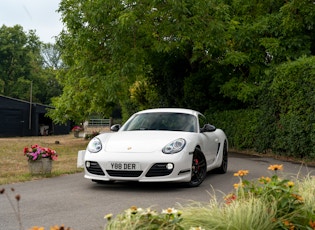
x: 81, y: 204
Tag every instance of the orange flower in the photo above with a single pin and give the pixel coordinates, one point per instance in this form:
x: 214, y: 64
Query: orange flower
x: 230, y: 198
x: 312, y: 224
x: 236, y: 186
x: 241, y: 173
x: 289, y: 225
x: 133, y: 209
x: 62, y: 227
x: 264, y: 180
x: 297, y: 197
x: 37, y: 228
x: 275, y: 167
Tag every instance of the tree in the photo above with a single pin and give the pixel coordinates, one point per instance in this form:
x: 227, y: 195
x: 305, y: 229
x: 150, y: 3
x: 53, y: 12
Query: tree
x: 264, y: 34
x: 110, y: 45
x: 15, y: 61
x: 191, y: 53
x: 22, y: 65
x: 51, y: 65
x: 51, y: 56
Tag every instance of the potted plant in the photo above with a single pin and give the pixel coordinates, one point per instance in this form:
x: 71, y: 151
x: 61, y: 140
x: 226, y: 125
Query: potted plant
x: 40, y: 158
x: 76, y: 130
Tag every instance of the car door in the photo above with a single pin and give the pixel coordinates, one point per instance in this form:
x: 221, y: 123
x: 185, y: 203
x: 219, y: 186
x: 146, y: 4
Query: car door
x: 209, y: 141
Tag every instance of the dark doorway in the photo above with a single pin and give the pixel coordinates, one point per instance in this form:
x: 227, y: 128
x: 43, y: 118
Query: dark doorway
x: 45, y: 125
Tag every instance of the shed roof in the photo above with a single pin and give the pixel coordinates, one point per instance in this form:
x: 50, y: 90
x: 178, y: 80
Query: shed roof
x: 27, y: 102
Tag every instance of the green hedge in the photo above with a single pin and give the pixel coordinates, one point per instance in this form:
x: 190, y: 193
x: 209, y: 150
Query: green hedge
x: 291, y: 135
x: 240, y: 126
x: 285, y: 120
x: 292, y: 92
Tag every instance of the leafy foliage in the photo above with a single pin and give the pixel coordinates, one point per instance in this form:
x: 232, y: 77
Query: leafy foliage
x: 252, y: 57
x: 126, y: 42
x: 21, y: 65
x: 15, y: 64
x: 284, y: 123
x: 194, y: 54
x: 242, y: 132
x: 293, y: 103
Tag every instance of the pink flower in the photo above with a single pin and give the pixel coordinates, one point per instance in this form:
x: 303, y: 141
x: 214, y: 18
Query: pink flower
x: 77, y: 129
x: 37, y: 152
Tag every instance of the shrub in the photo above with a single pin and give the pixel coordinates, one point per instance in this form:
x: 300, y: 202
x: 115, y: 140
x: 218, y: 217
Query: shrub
x: 283, y: 121
x: 265, y: 203
x: 240, y: 126
x: 289, y: 102
x: 138, y: 218
x: 281, y: 196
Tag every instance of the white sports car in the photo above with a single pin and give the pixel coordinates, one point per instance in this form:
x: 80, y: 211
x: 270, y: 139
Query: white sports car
x: 157, y: 145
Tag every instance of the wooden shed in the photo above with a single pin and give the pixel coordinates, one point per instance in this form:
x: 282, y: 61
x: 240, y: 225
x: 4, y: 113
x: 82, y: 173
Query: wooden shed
x: 22, y: 118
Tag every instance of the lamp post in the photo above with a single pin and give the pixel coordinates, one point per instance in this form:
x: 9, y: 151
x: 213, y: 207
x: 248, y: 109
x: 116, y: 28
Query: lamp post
x: 30, y: 116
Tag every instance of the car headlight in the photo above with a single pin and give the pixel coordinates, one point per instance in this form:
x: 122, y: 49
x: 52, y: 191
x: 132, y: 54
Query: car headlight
x: 174, y: 146
x: 95, y: 145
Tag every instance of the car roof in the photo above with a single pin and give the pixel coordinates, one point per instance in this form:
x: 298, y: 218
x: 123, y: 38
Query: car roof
x: 170, y: 110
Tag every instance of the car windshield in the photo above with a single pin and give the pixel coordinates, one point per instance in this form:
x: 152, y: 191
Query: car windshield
x: 162, y: 121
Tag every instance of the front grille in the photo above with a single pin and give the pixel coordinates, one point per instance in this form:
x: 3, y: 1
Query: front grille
x: 159, y: 169
x: 95, y: 168
x: 122, y: 173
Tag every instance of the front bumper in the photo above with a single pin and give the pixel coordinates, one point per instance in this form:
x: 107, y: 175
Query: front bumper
x: 154, y: 167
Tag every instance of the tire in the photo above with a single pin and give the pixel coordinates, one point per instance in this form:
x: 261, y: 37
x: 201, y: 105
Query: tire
x: 224, y: 164
x: 198, y: 169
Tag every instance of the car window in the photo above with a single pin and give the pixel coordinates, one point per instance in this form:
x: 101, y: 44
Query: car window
x: 202, y: 121
x: 163, y: 121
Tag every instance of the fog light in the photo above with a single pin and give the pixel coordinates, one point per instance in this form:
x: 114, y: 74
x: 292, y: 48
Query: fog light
x: 169, y: 166
x: 87, y: 164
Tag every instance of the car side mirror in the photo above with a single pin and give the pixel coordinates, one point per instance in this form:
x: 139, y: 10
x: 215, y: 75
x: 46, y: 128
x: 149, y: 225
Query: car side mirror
x: 208, y: 128
x: 115, y: 127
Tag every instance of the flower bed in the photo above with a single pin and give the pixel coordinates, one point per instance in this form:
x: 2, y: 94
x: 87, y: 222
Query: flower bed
x: 266, y: 203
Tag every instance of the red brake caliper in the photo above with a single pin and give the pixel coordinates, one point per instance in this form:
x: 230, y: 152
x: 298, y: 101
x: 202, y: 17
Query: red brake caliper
x: 196, y: 165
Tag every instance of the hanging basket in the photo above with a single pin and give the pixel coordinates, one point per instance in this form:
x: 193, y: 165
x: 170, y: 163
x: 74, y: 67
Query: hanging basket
x: 41, y: 166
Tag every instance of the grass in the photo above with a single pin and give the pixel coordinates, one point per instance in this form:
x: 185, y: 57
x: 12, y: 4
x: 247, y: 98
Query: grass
x: 13, y: 163
x: 14, y: 167
x: 251, y: 213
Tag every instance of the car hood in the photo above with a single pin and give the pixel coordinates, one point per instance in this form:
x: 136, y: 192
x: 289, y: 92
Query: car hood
x: 140, y: 141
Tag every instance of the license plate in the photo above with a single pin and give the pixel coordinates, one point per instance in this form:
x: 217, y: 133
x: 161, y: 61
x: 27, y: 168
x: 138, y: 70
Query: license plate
x: 123, y: 166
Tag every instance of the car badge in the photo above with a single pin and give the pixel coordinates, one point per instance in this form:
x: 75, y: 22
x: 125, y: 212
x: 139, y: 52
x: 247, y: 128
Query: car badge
x: 129, y: 148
